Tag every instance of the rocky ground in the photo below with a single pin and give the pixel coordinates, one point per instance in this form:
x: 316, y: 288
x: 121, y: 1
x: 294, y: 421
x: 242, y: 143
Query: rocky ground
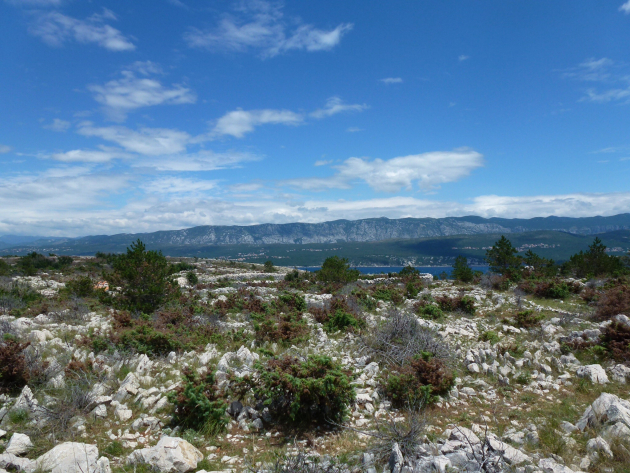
x: 521, y: 401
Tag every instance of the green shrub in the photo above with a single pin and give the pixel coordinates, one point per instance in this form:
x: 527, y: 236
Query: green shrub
x: 302, y: 392
x: 489, y: 336
x: 192, y: 278
x: 467, y: 305
x: 527, y: 319
x: 342, y: 320
x: 409, y: 272
x: 450, y: 304
x: 198, y: 405
x: 269, y: 267
x: 411, y: 290
x: 292, y: 301
x: 430, y: 312
x: 114, y: 449
x: 18, y: 416
x: 337, y: 270
x: 5, y: 268
x: 280, y: 327
x: 82, y: 286
x: 419, y: 382
x: 142, y: 275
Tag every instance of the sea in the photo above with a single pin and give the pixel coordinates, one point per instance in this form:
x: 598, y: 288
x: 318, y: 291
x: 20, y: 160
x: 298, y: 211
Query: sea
x: 434, y: 270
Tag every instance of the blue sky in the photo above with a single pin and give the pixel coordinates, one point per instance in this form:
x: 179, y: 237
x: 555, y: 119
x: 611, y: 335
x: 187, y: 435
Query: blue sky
x: 120, y: 116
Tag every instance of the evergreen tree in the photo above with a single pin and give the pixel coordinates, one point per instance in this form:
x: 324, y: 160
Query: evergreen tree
x: 142, y: 276
x: 461, y: 270
x: 336, y: 269
x: 502, y: 257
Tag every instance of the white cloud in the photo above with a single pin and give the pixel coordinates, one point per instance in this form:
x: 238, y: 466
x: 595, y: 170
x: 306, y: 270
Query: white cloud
x: 129, y: 93
x: 463, y: 57
x: 323, y: 163
x: 391, y: 80
x: 146, y: 141
x: 335, y: 105
x: 239, y: 122
x: 625, y: 7
x: 260, y: 26
x: 37, y: 3
x: 55, y: 29
x: 4, y: 149
x: 354, y: 129
x: 200, y: 161
x: 58, y: 125
x: 428, y: 170
x: 88, y: 156
x: 78, y: 207
x: 614, y: 80
x: 178, y: 185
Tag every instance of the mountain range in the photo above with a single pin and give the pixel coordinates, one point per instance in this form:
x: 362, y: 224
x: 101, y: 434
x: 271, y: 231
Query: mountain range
x: 338, y: 231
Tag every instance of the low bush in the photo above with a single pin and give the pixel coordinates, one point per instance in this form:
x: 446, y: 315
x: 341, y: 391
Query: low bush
x: 339, y: 314
x: 192, y: 278
x: 419, y: 381
x: 198, y: 405
x: 82, y: 286
x: 550, y: 289
x: 280, y: 327
x: 615, y: 300
x: 616, y: 339
x: 428, y: 311
x: 14, y: 374
x: 302, y: 392
x: 401, y: 337
x: 528, y: 319
x: 489, y: 336
x: 464, y: 304
x: 389, y: 294
x: 183, y: 326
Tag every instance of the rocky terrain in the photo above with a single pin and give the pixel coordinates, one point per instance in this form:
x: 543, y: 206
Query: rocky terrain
x: 529, y: 393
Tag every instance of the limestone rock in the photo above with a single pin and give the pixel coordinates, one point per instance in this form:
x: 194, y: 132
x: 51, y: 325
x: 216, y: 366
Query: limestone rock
x: 594, y: 373
x: 19, y: 444
x: 170, y: 455
x: 70, y: 457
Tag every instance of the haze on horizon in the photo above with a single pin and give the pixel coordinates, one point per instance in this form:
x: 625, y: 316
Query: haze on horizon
x: 166, y: 114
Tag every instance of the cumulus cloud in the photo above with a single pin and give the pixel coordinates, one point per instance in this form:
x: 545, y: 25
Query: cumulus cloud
x: 260, y: 26
x: 239, y: 122
x: 391, y: 80
x: 56, y: 29
x: 145, y: 141
x: 463, y: 57
x: 4, y: 149
x: 427, y: 170
x: 129, y: 93
x: 335, y: 105
x: 625, y: 7
x: 58, y: 125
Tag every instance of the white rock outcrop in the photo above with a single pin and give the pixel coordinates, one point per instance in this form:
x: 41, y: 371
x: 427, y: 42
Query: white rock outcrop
x: 170, y: 455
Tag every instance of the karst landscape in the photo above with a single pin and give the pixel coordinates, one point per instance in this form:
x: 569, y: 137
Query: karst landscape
x: 314, y: 236
x: 132, y: 362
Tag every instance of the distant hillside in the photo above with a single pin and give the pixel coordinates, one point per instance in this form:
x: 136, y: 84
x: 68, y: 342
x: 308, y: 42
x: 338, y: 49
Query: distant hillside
x: 189, y: 241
